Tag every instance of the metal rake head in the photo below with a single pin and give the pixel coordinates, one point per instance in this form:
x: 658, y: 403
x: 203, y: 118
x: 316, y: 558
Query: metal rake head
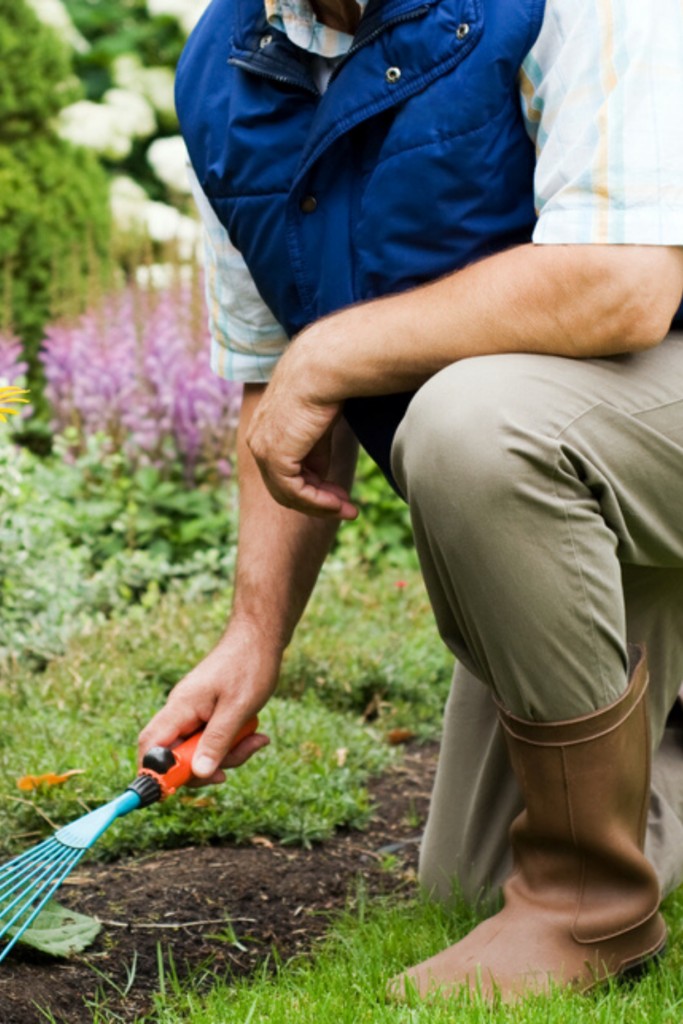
x: 27, y: 883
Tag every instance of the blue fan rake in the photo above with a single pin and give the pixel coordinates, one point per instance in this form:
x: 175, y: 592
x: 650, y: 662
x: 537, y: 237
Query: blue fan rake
x: 29, y: 881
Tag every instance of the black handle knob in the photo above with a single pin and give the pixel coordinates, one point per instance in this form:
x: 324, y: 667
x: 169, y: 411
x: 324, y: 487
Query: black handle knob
x: 159, y: 759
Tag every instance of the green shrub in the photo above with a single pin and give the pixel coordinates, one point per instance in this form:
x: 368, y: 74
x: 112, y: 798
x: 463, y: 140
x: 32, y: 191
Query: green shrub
x: 34, y: 84
x: 54, y: 214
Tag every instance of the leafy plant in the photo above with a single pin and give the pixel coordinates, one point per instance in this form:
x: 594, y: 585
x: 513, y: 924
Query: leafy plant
x: 118, y: 508
x: 83, y: 540
x: 382, y: 535
x: 58, y: 931
x: 117, y: 27
x: 53, y: 197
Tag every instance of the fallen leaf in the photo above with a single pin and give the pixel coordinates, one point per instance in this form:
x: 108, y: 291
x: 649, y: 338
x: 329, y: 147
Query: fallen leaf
x: 342, y: 754
x: 396, y: 736
x: 59, y: 931
x: 29, y: 782
x: 261, y: 841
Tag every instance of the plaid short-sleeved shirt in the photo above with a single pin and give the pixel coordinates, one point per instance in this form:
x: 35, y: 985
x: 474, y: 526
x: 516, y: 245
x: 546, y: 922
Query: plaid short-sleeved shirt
x: 601, y: 92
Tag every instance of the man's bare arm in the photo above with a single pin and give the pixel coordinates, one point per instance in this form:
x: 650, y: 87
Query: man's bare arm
x: 576, y: 301
x: 280, y: 553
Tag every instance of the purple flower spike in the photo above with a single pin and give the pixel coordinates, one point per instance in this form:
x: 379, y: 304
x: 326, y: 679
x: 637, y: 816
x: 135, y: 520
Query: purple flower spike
x: 136, y: 368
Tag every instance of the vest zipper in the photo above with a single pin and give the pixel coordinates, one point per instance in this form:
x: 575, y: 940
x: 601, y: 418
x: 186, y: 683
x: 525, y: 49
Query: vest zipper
x: 256, y: 69
x: 417, y: 12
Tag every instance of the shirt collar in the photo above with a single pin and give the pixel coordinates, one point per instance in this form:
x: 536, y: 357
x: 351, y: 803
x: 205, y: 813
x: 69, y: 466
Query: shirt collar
x: 297, y: 20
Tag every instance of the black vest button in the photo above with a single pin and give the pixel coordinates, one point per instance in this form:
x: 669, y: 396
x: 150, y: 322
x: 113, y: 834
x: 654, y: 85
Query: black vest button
x: 308, y: 204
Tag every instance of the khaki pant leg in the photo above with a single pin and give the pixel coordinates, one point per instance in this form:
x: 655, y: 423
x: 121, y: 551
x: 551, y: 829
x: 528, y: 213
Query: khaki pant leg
x: 475, y: 798
x: 534, y: 571
x: 654, y: 614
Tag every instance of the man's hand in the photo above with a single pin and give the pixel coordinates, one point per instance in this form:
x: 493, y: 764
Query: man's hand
x: 221, y: 693
x: 291, y: 435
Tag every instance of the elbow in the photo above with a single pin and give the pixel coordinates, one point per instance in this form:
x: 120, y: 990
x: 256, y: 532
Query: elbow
x: 641, y: 300
x: 642, y: 325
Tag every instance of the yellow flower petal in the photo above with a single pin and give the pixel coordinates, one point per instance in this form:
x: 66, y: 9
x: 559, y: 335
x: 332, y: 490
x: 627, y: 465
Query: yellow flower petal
x: 11, y: 393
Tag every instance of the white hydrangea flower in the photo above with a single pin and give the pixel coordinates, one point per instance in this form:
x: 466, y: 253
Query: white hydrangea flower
x: 163, y: 276
x: 55, y: 14
x: 96, y: 126
x: 108, y: 127
x: 127, y: 189
x: 133, y: 212
x: 155, y: 84
x: 127, y: 200
x: 186, y: 12
x: 165, y: 225
x: 134, y: 113
x: 168, y: 159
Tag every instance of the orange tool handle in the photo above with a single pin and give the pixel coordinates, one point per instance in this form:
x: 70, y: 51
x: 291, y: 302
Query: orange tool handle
x: 179, y: 760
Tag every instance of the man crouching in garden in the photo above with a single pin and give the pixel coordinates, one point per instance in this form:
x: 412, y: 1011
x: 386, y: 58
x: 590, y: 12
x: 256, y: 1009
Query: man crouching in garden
x: 467, y: 216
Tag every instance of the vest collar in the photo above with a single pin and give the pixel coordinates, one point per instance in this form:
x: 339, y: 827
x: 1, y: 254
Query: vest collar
x: 421, y: 55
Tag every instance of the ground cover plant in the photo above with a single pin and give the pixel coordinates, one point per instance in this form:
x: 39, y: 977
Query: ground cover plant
x: 83, y: 540
x: 329, y: 728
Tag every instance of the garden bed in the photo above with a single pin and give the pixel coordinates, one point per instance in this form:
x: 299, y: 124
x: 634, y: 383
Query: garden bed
x: 230, y: 909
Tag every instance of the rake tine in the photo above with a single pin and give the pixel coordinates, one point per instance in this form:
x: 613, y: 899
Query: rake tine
x: 44, y: 869
x: 51, y: 885
x: 21, y: 866
x: 35, y: 853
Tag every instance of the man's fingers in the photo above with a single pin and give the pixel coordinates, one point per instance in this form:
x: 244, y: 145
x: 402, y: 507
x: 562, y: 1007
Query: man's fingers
x: 215, y: 749
x: 237, y: 756
x: 302, y: 490
x: 245, y: 749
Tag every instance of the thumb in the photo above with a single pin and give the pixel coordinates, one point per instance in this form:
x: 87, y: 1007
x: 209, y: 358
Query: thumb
x: 219, y: 737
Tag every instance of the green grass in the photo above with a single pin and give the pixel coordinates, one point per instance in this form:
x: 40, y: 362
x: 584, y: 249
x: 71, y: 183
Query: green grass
x: 344, y: 981
x: 365, y: 644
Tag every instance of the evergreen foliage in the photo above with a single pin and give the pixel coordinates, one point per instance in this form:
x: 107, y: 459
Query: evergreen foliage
x: 54, y: 214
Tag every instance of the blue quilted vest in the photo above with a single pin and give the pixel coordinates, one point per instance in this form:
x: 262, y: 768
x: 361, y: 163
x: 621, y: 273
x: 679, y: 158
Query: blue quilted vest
x: 413, y: 163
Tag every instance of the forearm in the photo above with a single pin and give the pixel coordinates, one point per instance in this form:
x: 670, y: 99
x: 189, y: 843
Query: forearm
x: 280, y: 551
x: 575, y: 301
x: 279, y: 556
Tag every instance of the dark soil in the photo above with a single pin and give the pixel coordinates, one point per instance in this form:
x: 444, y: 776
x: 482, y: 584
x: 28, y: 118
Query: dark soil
x: 177, y: 904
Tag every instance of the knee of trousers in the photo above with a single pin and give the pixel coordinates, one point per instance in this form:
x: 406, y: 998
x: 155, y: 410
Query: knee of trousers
x: 474, y: 433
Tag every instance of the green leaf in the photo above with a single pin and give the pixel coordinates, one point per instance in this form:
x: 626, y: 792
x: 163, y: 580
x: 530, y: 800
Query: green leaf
x: 59, y: 931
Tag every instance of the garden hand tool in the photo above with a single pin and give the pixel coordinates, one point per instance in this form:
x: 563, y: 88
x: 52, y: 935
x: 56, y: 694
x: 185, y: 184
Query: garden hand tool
x: 28, y: 881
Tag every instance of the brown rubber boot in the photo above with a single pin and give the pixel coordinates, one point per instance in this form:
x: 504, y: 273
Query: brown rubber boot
x: 582, y: 903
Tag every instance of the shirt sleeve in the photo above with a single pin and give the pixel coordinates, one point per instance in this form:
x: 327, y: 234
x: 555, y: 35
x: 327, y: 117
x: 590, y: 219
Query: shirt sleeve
x: 602, y: 92
x: 246, y: 339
